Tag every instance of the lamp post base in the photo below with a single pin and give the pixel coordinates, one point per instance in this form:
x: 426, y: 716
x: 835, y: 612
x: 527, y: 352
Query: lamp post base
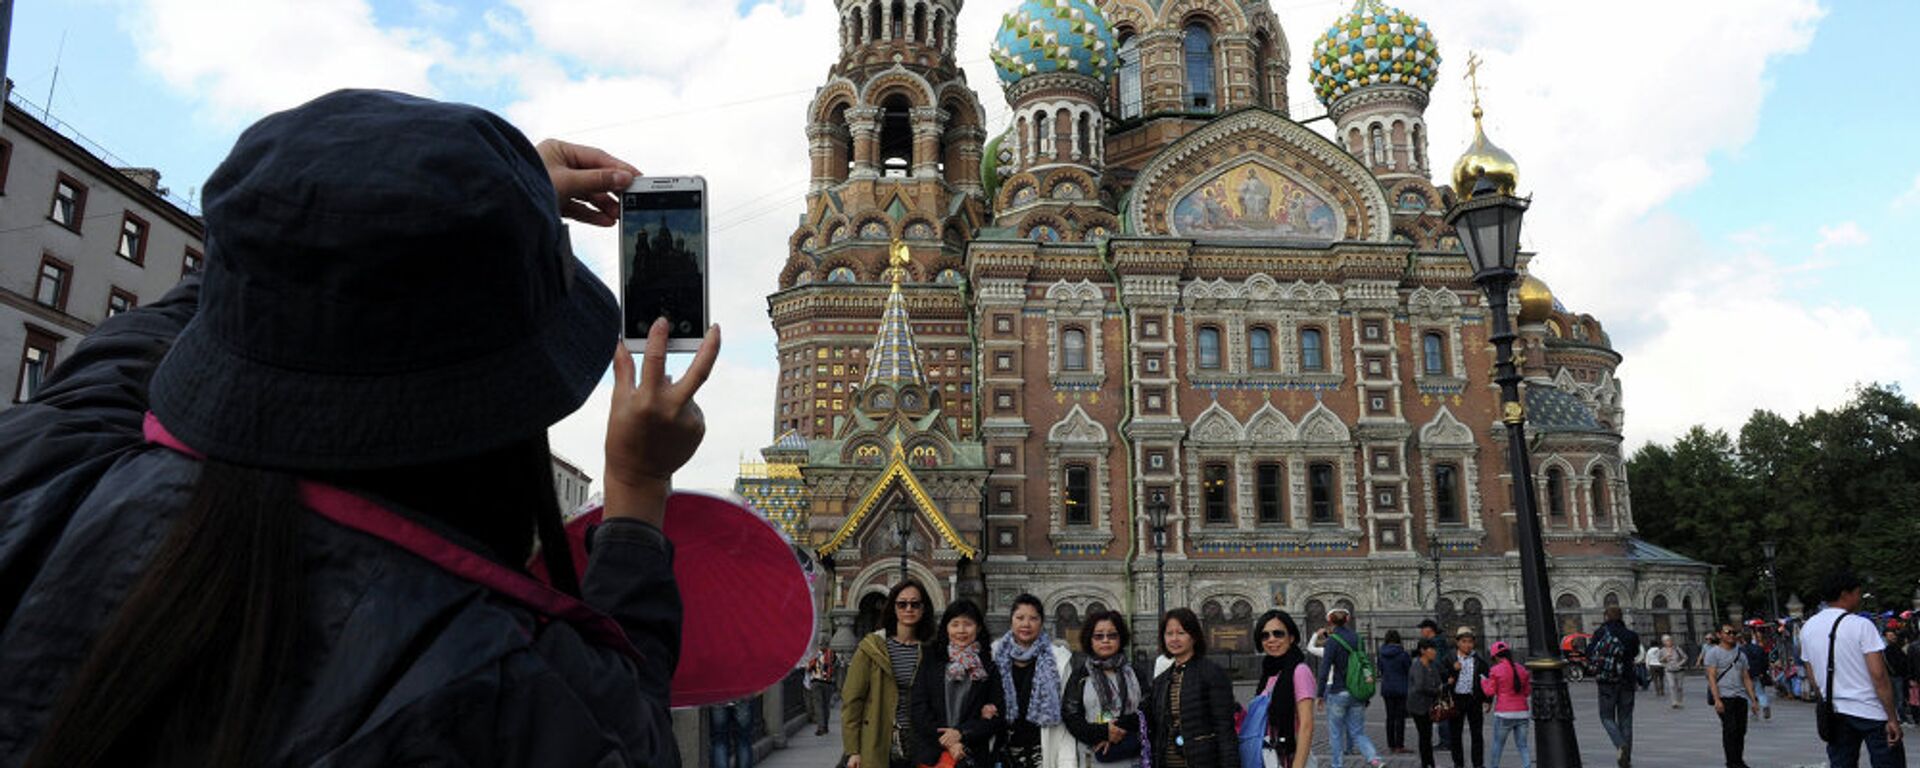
x: 1554, y: 739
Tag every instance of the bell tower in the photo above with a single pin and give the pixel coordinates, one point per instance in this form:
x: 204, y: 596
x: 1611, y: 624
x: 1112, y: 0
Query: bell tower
x: 895, y: 139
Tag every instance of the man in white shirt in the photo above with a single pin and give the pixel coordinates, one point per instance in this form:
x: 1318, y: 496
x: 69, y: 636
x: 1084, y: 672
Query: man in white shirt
x: 1861, y: 691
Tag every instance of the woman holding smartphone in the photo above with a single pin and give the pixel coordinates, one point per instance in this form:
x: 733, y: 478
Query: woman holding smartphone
x: 876, y: 723
x: 282, y: 515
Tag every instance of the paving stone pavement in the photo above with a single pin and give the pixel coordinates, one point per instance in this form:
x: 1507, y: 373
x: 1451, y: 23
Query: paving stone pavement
x: 1663, y: 737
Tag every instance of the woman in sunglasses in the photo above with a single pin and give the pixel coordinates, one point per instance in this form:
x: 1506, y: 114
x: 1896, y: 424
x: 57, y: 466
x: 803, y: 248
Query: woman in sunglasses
x: 1290, y: 710
x: 873, y: 708
x: 1102, y: 705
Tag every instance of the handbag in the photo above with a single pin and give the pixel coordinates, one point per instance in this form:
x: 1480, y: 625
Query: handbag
x: 1825, y: 720
x: 1126, y: 750
x: 1443, y: 708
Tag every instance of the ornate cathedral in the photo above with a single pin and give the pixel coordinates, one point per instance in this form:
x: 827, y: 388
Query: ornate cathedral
x: 1154, y: 293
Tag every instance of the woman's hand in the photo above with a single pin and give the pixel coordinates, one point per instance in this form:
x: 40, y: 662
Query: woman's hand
x: 1114, y: 734
x: 586, y: 180
x: 989, y: 712
x: 949, y: 738
x: 653, y: 428
x: 853, y: 761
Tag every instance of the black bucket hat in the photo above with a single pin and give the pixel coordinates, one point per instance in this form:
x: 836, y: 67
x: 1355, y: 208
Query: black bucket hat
x: 388, y: 284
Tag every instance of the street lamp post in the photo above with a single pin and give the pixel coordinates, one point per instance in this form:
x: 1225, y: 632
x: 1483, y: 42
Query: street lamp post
x: 1488, y: 223
x: 1157, y: 512
x: 903, y: 528
x: 1433, y: 550
x: 1773, y: 580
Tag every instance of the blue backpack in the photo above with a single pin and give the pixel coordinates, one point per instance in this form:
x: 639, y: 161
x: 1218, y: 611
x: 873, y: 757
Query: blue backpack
x: 1253, y: 728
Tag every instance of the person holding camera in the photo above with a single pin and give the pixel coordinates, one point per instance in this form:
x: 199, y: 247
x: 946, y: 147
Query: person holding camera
x: 284, y: 514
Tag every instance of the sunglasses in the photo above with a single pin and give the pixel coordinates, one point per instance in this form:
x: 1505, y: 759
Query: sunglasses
x: 1106, y: 635
x: 1273, y: 634
x: 908, y: 605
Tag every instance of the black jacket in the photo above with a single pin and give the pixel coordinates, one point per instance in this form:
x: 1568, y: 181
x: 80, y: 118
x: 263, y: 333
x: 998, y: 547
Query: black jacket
x: 1073, y: 708
x: 1481, y: 664
x: 927, y: 710
x: 1206, y: 717
x: 405, y: 663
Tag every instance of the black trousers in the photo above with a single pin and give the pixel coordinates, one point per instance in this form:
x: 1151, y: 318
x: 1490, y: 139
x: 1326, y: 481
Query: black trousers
x: 1396, y: 721
x: 1733, y: 731
x: 1423, y: 728
x: 1470, y: 715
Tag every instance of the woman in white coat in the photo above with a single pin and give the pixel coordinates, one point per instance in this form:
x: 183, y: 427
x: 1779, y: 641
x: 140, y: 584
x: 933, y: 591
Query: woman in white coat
x: 1034, y: 671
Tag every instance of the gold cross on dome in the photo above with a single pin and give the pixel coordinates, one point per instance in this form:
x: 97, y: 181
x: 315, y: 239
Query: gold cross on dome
x: 1473, y: 76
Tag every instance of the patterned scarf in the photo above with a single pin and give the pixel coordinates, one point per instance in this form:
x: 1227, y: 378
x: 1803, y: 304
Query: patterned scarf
x: 1043, y: 705
x: 1112, y: 699
x: 964, y: 663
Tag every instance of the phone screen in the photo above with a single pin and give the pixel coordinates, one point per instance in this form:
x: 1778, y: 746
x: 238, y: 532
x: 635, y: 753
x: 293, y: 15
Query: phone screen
x: 663, y: 255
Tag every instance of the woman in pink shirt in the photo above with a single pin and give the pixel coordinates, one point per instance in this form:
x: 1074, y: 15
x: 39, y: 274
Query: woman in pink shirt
x: 1290, y: 713
x: 1510, y: 686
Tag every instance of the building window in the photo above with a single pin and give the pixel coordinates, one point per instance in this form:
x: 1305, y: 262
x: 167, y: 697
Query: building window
x: 1199, y: 54
x: 1446, y: 493
x: 36, y: 362
x: 1129, y: 77
x: 69, y: 202
x: 1260, y: 349
x: 1556, y: 494
x: 133, y: 239
x: 1073, y: 350
x: 192, y: 262
x: 1379, y: 146
x: 1597, y: 491
x: 1268, y: 487
x: 1150, y: 328
x: 56, y: 277
x: 1213, y: 481
x: 1003, y: 324
x: 1079, y: 496
x: 1419, y: 152
x: 1320, y: 490
x: 1313, y: 352
x: 119, y: 301
x: 1433, y: 355
x: 1209, y: 343
x: 6, y: 161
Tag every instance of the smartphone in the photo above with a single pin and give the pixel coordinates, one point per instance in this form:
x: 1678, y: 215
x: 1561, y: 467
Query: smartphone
x: 663, y: 260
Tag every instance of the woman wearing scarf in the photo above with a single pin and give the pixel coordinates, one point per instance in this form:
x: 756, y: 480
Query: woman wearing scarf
x: 1033, y: 673
x: 1102, y: 704
x: 875, y: 730
x: 955, y: 711
x: 1190, y: 712
x: 1290, y: 709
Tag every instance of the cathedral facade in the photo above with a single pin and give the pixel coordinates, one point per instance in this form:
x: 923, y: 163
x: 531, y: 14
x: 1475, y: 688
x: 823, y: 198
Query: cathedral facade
x: 1153, y: 290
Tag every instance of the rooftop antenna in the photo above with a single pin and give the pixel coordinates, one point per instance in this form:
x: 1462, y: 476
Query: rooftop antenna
x: 47, y: 108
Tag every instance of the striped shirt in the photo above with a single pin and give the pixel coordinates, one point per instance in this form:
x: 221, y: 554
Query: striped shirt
x: 905, y: 658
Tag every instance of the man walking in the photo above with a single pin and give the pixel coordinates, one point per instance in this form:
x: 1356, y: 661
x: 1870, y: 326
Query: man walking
x: 1762, y: 676
x: 1858, y: 684
x: 1614, y: 651
x: 820, y: 671
x: 1346, y: 716
x: 1729, y: 688
x: 1467, y: 669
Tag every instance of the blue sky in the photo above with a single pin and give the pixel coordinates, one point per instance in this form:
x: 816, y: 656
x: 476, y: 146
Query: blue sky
x: 1729, y: 187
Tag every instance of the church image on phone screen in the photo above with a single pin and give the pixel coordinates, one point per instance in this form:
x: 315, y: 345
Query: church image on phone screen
x: 662, y: 249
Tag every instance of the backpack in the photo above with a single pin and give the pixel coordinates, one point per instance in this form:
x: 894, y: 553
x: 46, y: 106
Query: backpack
x: 1607, y: 656
x: 1361, y: 675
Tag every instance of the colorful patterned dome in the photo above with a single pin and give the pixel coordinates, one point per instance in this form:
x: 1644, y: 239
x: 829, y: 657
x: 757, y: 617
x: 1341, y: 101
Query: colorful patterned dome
x: 1373, y: 45
x: 1053, y: 36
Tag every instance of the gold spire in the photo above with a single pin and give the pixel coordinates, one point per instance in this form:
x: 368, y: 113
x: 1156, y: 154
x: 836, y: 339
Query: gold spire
x: 1483, y: 159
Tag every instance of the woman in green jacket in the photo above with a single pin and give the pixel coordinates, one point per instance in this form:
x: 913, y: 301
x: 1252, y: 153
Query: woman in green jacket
x: 874, y: 701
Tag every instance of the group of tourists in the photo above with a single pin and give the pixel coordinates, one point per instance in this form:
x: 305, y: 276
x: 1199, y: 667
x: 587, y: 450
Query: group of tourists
x: 922, y: 691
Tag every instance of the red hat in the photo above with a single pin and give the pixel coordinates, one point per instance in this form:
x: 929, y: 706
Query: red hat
x: 747, y: 607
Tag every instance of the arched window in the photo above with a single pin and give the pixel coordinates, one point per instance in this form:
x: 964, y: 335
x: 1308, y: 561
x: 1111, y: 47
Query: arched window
x: 1446, y: 493
x: 1419, y: 149
x: 1320, y: 491
x: 1208, y: 338
x: 859, y: 27
x: 1214, y: 492
x: 940, y: 30
x: 873, y: 22
x: 1083, y: 138
x: 1597, y: 496
x: 1042, y: 136
x: 1129, y: 77
x: 1568, y: 607
x: 1079, y: 495
x: 1313, y: 353
x: 919, y: 23
x: 896, y: 137
x: 1073, y: 350
x: 1433, y: 355
x: 1260, y: 349
x: 1379, y: 145
x: 1556, y: 495
x: 898, y: 28
x: 1260, y: 44
x: 1199, y: 50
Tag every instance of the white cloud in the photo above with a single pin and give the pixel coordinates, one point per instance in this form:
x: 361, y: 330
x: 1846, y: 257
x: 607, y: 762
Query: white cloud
x: 240, y: 60
x: 1846, y: 234
x: 1909, y: 198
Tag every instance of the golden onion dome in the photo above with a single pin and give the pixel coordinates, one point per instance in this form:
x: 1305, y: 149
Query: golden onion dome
x: 1536, y: 301
x: 1483, y: 159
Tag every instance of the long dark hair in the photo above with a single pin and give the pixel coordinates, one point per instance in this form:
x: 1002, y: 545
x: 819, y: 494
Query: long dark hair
x: 193, y: 667
x: 1286, y: 620
x: 1506, y: 655
x: 924, y: 630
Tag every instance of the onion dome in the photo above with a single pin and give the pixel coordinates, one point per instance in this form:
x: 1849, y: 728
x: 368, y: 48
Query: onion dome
x: 1536, y: 300
x: 1484, y: 160
x: 1373, y: 45
x: 1042, y: 36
